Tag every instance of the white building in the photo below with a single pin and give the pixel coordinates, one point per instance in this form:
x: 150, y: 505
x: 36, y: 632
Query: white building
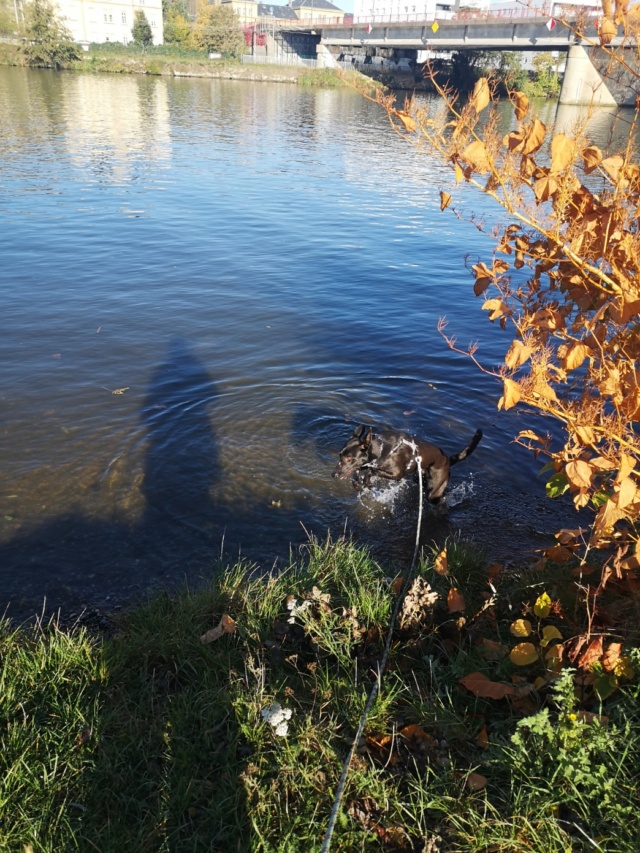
x: 378, y: 11
x: 544, y: 8
x: 108, y: 20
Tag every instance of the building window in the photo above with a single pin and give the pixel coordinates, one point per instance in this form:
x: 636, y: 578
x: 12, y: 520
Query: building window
x: 124, y: 17
x: 108, y: 19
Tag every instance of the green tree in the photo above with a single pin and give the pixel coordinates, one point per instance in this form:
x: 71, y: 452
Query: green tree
x: 545, y: 66
x: 8, y: 23
x: 48, y: 42
x: 217, y: 29
x: 141, y: 30
x: 177, y: 29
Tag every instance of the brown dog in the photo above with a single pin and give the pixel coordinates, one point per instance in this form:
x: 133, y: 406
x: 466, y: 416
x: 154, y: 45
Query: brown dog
x: 392, y: 455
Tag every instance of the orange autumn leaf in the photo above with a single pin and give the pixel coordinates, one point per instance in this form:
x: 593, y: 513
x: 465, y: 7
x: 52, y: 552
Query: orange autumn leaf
x: 481, y: 686
x: 455, y: 601
x: 440, y: 563
x: 226, y: 625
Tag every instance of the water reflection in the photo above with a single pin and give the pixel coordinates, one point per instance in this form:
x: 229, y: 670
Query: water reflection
x: 607, y: 127
x: 109, y: 130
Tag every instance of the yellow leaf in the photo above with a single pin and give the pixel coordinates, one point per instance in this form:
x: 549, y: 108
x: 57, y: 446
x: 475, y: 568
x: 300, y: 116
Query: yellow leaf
x: 476, y: 156
x: 520, y: 103
x: 542, y: 607
x: 624, y: 668
x: 410, y: 124
x: 576, y: 356
x: 521, y: 628
x: 523, y: 654
x: 627, y: 464
x: 529, y: 434
x: 627, y: 493
x: 549, y: 633
x: 592, y: 157
x: 459, y: 173
x: 497, y: 308
x: 445, y: 200
x: 481, y: 95
x: 510, y: 396
x: 518, y: 354
x: 612, y: 166
x: 585, y: 434
x: 579, y: 473
x: 561, y: 152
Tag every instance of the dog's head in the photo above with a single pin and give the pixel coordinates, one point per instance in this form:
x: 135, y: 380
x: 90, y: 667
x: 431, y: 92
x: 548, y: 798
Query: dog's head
x: 354, y: 454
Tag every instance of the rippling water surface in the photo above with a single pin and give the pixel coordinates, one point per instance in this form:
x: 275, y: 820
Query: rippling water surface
x: 205, y: 285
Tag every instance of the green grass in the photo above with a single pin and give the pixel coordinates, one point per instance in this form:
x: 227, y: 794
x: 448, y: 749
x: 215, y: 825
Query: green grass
x: 154, y: 741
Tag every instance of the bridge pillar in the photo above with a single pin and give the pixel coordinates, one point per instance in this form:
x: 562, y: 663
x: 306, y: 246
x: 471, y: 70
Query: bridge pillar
x: 582, y: 84
x: 325, y: 58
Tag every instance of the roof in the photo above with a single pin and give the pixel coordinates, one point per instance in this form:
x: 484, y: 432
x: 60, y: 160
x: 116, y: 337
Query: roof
x: 266, y: 10
x: 314, y: 4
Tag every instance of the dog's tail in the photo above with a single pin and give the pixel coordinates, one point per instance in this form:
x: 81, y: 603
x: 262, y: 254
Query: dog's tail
x: 475, y: 441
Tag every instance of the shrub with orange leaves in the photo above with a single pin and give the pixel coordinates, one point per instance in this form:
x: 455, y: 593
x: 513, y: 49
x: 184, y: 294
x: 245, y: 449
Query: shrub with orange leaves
x: 564, y: 281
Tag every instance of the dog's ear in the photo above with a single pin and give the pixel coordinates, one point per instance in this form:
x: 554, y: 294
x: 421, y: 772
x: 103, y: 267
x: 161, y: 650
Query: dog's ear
x: 358, y: 431
x: 366, y: 441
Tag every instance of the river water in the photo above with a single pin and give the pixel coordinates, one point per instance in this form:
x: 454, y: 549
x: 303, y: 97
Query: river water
x: 205, y: 285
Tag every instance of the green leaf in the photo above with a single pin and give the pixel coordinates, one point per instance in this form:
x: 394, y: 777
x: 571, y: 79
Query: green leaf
x: 557, y: 485
x: 605, y: 686
x: 549, y: 466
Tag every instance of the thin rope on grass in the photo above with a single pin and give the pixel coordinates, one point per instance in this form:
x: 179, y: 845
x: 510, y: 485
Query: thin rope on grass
x: 326, y: 844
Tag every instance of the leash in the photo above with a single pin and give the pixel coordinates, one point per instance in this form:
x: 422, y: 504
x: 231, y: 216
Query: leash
x: 326, y: 844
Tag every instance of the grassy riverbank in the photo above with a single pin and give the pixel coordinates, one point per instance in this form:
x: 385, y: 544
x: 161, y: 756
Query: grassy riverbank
x: 154, y: 740
x: 183, y: 63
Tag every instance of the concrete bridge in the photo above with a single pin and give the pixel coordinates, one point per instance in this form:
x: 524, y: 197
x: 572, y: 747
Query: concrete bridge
x: 582, y: 82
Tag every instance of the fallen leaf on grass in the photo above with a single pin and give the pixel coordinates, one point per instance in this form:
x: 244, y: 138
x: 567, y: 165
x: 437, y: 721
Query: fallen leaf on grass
x: 455, y: 601
x: 226, y: 625
x: 440, y: 563
x: 476, y: 781
x: 418, y: 604
x: 482, y: 686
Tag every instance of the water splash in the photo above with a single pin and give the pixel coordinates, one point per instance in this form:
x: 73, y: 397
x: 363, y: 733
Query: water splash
x: 460, y: 493
x: 384, y: 496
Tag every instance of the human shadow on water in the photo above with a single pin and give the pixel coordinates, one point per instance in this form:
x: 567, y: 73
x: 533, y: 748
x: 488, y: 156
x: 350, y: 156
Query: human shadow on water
x: 181, y: 457
x: 75, y: 562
